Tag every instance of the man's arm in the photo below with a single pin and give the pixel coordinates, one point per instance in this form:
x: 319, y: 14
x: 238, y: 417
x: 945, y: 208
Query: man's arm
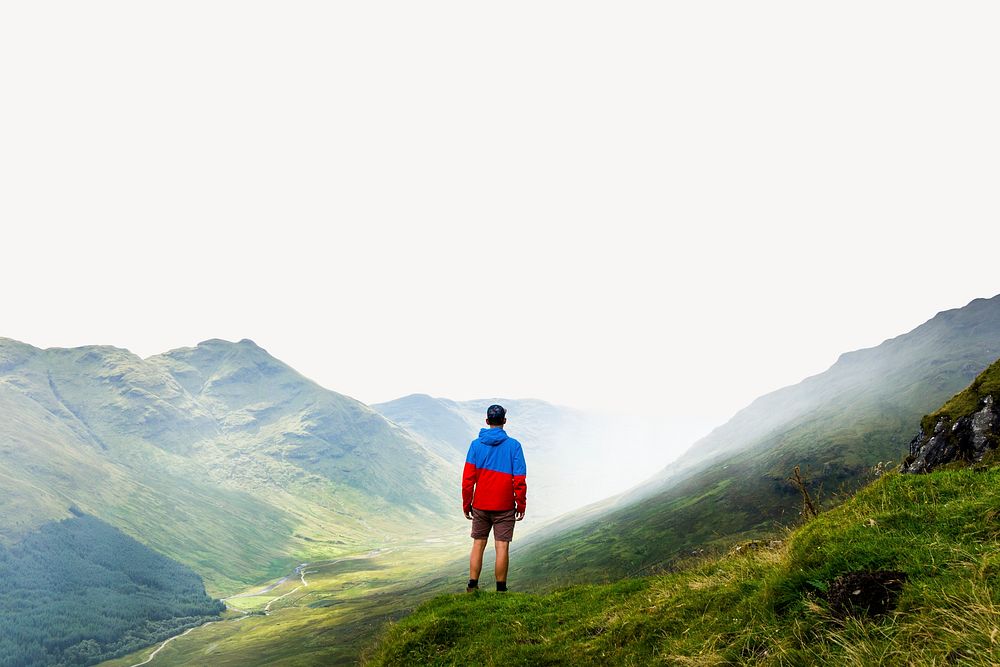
x: 469, y: 477
x: 520, y: 483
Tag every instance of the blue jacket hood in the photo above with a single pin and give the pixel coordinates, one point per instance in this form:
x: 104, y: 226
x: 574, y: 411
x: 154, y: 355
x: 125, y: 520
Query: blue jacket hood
x: 492, y: 436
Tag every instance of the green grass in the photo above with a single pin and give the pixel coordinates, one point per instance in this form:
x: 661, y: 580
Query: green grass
x: 761, y: 606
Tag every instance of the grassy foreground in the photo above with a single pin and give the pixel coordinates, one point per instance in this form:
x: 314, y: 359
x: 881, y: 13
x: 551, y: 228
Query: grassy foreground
x: 762, y: 603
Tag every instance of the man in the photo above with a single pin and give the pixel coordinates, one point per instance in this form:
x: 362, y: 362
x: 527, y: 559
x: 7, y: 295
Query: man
x: 493, y: 494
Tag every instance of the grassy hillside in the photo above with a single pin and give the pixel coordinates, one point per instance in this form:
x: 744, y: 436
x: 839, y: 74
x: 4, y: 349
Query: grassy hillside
x: 732, y: 484
x: 773, y: 603
x: 162, y: 499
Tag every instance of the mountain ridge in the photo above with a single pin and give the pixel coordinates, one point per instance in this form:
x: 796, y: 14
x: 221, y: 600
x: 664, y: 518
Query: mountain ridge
x: 836, y: 425
x: 165, y: 454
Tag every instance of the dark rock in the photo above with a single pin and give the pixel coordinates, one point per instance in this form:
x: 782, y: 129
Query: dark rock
x: 984, y: 429
x: 865, y: 592
x: 967, y: 440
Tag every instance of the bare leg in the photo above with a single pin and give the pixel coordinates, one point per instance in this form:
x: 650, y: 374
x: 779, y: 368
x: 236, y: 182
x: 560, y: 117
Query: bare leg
x: 476, y: 559
x: 502, y: 550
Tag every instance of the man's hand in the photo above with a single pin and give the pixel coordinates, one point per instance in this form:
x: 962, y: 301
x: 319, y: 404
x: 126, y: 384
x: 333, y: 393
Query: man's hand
x: 518, y: 515
x: 468, y: 514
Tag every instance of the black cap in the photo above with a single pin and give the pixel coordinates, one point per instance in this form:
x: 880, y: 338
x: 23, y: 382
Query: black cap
x: 495, y: 414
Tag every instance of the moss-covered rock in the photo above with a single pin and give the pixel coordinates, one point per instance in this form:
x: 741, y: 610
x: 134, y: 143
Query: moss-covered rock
x: 963, y: 431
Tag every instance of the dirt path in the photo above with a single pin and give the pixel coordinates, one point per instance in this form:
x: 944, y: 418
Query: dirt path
x: 167, y: 641
x: 300, y: 570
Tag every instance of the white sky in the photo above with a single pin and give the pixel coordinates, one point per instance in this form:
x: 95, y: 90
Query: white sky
x: 660, y: 208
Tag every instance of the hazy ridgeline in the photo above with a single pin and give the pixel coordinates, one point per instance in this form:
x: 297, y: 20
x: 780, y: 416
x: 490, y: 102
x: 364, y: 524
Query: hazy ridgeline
x: 733, y: 484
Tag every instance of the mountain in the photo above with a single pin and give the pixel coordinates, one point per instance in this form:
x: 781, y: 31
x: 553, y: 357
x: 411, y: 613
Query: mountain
x: 733, y: 484
x: 264, y: 410
x: 444, y: 425
x: 574, y: 457
x: 903, y: 573
x: 218, y: 456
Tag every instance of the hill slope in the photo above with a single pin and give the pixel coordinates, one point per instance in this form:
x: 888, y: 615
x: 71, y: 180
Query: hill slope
x: 218, y: 456
x: 732, y: 483
x: 769, y: 605
x: 78, y: 591
x: 905, y: 572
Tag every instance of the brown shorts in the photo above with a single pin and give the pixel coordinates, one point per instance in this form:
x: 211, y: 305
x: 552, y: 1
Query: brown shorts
x: 501, y: 522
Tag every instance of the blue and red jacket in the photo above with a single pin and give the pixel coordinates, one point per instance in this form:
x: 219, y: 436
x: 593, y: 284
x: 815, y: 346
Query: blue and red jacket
x: 494, y: 477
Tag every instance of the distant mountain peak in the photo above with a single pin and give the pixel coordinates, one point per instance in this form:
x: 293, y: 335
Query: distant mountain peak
x: 970, y: 311
x: 221, y: 342
x: 217, y: 349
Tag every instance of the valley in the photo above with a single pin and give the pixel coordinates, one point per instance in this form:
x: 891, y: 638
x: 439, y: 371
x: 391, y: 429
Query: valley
x: 322, y: 613
x: 317, y: 519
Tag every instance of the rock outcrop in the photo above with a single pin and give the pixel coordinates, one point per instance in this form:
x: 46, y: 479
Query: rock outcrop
x: 966, y: 439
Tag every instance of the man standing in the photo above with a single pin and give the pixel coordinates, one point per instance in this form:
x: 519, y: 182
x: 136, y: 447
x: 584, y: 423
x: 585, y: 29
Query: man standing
x: 493, y: 494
